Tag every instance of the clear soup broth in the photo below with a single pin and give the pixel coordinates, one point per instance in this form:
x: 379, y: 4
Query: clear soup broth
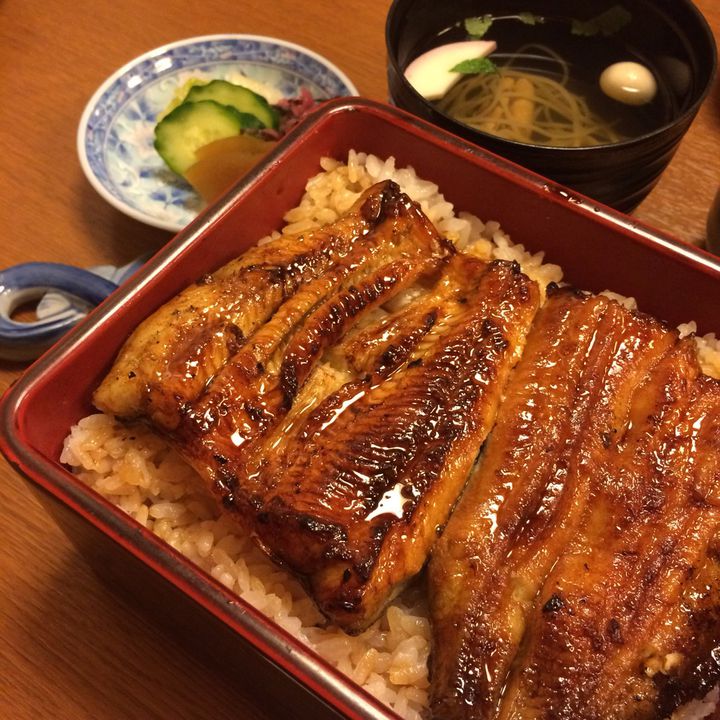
x: 552, y: 66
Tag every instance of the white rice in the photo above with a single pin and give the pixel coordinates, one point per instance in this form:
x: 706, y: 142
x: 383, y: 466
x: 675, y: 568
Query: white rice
x: 141, y: 474
x: 331, y: 193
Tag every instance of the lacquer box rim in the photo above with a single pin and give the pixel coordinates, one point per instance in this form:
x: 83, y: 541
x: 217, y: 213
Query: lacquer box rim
x: 598, y: 246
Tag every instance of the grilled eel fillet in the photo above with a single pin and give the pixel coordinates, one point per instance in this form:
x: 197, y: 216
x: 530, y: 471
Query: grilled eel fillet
x: 579, y: 576
x: 336, y: 422
x: 172, y: 356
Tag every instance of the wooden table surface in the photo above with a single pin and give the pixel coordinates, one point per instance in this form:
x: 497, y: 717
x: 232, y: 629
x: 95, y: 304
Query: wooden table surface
x: 69, y: 648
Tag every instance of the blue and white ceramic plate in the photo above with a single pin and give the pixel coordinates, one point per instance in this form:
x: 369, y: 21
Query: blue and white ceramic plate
x: 116, y: 133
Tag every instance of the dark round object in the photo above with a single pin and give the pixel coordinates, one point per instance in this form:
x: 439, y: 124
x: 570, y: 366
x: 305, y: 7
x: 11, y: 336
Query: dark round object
x: 671, y: 36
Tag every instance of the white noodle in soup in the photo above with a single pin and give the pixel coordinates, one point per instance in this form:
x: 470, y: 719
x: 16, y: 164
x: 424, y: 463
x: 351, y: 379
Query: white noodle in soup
x: 528, y: 107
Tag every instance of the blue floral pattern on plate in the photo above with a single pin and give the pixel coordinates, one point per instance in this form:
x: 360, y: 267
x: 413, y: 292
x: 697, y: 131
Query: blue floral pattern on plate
x: 116, y: 133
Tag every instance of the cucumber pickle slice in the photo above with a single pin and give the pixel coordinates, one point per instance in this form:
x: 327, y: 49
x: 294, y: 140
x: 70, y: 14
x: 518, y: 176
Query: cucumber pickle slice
x: 241, y: 98
x: 194, y: 124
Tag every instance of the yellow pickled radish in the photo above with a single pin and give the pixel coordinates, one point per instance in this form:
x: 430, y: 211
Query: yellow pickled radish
x: 223, y: 162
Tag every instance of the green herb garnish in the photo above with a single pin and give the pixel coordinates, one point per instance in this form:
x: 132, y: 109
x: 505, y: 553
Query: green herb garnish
x: 475, y: 66
x: 605, y: 24
x: 478, y: 26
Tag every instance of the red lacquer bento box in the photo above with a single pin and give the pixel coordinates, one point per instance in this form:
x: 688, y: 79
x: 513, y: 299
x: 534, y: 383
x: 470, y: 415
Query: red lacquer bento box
x: 597, y: 248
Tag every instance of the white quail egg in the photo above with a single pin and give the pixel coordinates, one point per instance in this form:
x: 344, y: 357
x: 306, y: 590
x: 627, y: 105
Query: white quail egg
x: 628, y: 82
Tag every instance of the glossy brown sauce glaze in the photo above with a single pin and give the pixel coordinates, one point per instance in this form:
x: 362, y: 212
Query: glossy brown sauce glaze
x: 334, y: 390
x: 339, y: 421
x: 168, y: 361
x: 571, y: 578
x: 376, y: 467
x: 257, y: 388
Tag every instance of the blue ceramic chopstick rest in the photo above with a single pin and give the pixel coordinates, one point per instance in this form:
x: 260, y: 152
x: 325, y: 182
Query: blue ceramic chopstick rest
x: 65, y: 294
